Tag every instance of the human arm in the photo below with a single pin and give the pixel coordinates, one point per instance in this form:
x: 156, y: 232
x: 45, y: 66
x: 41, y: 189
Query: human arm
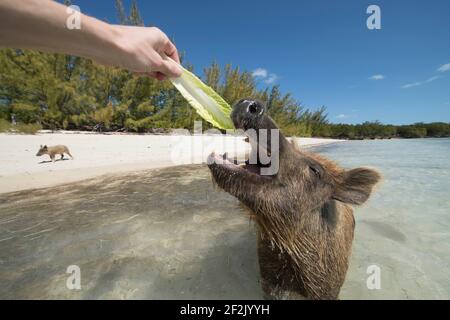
x: 41, y: 25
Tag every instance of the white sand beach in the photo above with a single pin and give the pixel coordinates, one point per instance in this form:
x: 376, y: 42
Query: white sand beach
x: 98, y: 154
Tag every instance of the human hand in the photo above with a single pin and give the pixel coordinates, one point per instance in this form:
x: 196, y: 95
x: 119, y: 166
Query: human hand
x: 33, y: 24
x: 142, y: 51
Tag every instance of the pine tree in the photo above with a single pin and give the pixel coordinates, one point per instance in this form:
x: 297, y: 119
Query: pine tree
x: 121, y: 13
x: 63, y: 91
x: 135, y: 17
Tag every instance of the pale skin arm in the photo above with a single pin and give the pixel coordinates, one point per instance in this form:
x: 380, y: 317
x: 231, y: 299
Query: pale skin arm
x: 41, y: 25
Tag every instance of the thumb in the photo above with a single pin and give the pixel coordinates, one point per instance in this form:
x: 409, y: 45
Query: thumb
x: 170, y: 68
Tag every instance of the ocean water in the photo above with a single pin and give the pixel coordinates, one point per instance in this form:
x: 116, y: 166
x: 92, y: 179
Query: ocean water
x: 169, y: 234
x: 404, y: 229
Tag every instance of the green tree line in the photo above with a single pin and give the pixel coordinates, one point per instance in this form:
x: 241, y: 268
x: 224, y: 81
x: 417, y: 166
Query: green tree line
x: 55, y: 91
x: 377, y: 130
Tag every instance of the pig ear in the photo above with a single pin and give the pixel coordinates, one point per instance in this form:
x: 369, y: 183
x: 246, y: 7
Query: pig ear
x: 357, y: 186
x: 45, y: 147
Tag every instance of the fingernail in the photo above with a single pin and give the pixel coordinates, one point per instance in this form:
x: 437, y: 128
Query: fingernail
x: 178, y: 72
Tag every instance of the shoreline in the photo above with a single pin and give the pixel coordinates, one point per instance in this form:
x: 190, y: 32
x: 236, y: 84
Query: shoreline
x: 98, y: 154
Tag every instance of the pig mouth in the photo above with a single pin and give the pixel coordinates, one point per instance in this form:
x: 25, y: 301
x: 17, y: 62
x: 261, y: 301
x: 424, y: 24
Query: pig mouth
x: 233, y: 165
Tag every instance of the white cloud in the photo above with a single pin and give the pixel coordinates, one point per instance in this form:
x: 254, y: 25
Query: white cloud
x: 263, y: 74
x: 432, y: 79
x: 260, y: 72
x: 419, y: 83
x: 377, y: 77
x: 410, y: 85
x: 444, y: 67
x: 353, y: 114
x: 271, y: 79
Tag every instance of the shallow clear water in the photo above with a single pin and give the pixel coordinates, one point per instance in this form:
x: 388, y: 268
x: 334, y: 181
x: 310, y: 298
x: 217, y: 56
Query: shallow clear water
x: 168, y: 233
x: 405, y: 226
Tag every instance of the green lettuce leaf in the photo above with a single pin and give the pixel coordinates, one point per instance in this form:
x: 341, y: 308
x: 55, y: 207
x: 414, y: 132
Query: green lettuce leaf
x: 208, y: 104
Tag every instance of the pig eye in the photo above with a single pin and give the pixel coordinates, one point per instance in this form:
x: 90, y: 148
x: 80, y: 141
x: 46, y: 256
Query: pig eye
x: 315, y: 170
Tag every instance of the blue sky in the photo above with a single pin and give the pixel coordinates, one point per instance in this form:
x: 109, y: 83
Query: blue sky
x: 320, y: 50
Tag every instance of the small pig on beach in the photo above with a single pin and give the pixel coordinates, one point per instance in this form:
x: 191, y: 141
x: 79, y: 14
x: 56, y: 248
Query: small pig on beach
x: 53, y: 150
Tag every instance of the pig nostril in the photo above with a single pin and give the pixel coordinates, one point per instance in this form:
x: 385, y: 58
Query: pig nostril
x: 252, y: 108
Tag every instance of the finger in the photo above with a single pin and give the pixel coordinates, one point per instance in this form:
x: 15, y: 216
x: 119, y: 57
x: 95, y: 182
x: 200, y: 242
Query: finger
x: 157, y: 75
x: 169, y: 68
x: 160, y: 76
x: 171, y: 51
